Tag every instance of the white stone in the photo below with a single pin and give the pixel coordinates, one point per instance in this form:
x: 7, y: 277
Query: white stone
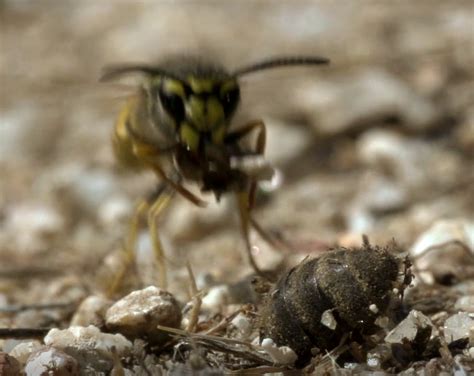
x: 23, y: 350
x: 139, y: 313
x: 243, y: 325
x: 373, y: 308
x: 216, y: 298
x: 91, y: 311
x: 409, y: 327
x: 90, y: 338
x: 442, y: 232
x: 280, y: 355
x: 465, y: 303
x: 443, y: 248
x: 95, y: 351
x: 51, y: 361
x: 328, y: 320
x: 458, y: 326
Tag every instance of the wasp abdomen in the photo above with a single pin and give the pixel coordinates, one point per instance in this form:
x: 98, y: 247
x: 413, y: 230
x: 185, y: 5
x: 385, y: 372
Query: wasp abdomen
x: 354, y: 285
x: 122, y: 139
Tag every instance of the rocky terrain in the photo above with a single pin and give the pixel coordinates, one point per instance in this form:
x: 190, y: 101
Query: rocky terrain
x: 379, y: 143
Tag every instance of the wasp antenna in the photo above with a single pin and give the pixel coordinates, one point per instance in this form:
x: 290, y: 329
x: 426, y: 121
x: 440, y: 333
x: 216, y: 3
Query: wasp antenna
x: 281, y: 62
x: 113, y: 71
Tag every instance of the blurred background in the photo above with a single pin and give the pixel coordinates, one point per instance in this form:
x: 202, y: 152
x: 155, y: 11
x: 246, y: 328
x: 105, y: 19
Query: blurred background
x: 380, y: 142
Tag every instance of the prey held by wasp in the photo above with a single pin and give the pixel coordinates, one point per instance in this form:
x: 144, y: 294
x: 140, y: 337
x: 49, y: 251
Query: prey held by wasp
x: 178, y: 126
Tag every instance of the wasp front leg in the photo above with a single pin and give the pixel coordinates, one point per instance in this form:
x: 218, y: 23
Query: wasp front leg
x: 246, y: 199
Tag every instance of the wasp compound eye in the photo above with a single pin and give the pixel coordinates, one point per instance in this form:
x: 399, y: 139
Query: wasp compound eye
x: 173, y: 104
x: 230, y: 100
x: 351, y: 286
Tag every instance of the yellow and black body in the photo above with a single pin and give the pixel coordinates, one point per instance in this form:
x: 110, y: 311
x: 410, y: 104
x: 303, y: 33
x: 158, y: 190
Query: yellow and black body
x: 178, y: 125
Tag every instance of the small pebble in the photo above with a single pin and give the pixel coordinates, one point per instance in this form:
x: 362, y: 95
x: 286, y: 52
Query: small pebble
x: 458, y: 326
x: 138, y: 314
x: 444, y: 248
x: 91, y: 312
x: 243, y: 325
x: 51, y: 361
x: 216, y: 298
x: 280, y: 355
x: 465, y: 303
x: 327, y: 319
x: 23, y: 350
x: 92, y: 348
x: 373, y: 308
x: 409, y: 328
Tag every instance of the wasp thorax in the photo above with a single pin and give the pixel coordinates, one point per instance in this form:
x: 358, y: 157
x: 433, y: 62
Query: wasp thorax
x: 201, y: 108
x: 343, y: 291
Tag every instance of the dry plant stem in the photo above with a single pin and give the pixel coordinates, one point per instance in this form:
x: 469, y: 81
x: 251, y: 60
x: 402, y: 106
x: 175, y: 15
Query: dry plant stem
x: 465, y: 248
x: 197, y: 302
x: 184, y: 333
x: 250, y: 354
x: 23, y: 333
x: 34, y: 307
x: 29, y: 272
x: 223, y: 323
x: 265, y: 370
x: 223, y: 344
x: 327, y: 362
x: 444, y: 351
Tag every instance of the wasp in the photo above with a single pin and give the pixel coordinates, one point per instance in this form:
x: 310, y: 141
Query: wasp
x: 178, y: 126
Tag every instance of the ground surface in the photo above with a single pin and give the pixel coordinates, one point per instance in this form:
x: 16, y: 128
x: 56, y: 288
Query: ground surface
x: 379, y: 143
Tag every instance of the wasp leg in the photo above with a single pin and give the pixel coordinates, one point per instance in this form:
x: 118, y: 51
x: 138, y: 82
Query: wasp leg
x: 157, y: 208
x: 178, y: 187
x: 258, y: 125
x: 129, y: 248
x: 244, y: 213
x: 151, y: 155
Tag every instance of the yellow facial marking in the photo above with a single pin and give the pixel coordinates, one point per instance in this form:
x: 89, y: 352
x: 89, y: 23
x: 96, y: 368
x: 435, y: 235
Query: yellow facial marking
x: 201, y: 85
x: 173, y: 86
x: 204, y: 114
x: 195, y: 110
x: 227, y: 86
x: 218, y: 134
x: 215, y: 112
x: 189, y: 136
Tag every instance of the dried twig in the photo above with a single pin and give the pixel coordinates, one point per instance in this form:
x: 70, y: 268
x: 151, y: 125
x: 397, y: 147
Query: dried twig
x: 223, y: 323
x: 34, y: 307
x: 23, y: 333
x: 197, y: 301
x: 226, y: 345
